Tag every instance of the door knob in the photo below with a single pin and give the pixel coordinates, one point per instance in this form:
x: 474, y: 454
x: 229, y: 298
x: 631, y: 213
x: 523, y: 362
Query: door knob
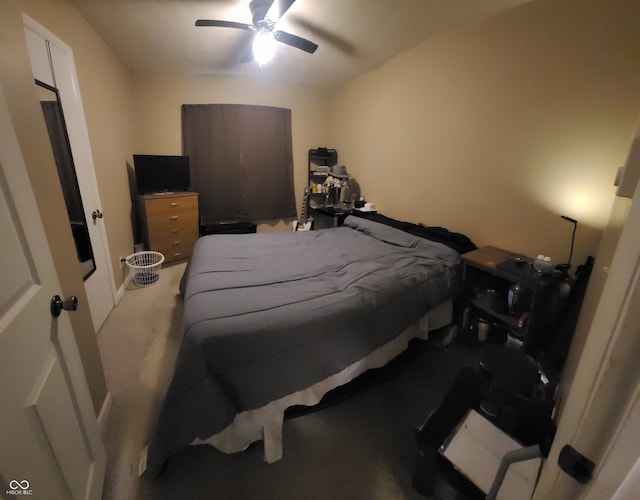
x: 97, y: 214
x: 68, y: 304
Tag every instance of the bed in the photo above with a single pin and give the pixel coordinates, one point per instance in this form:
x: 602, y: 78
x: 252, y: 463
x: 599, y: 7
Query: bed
x: 276, y: 320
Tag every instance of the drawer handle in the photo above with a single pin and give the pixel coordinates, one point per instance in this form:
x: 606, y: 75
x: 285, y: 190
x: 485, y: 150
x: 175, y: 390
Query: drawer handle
x: 177, y: 254
x: 174, y: 204
x: 175, y: 230
x: 174, y: 217
x: 176, y: 243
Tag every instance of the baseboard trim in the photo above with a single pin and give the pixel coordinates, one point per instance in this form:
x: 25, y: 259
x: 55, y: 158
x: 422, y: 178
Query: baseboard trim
x: 119, y: 294
x: 104, y: 412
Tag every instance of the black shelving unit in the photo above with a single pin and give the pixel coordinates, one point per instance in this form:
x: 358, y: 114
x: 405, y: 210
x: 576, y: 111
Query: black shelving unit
x: 320, y: 162
x: 489, y: 274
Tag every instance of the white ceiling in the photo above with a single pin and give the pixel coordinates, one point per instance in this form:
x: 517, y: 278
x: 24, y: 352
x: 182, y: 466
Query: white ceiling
x: 354, y: 36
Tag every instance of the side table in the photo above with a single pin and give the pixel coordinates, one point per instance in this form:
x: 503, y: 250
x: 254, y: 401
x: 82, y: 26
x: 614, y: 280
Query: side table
x: 502, y: 288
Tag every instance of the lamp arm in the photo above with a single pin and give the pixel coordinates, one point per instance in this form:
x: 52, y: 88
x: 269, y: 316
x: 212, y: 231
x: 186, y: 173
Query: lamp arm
x: 573, y: 236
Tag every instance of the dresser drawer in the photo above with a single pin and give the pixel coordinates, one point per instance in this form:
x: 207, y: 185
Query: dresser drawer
x: 170, y: 203
x: 175, y: 248
x: 177, y: 238
x: 172, y: 222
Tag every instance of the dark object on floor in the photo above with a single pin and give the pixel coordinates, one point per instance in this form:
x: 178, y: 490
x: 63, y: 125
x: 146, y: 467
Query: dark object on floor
x: 226, y: 227
x: 443, y: 337
x: 466, y: 391
x: 502, y: 390
x: 561, y: 342
x: 510, y: 372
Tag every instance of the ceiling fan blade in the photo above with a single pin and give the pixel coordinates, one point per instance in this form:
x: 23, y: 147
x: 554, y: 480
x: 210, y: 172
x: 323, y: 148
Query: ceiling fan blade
x: 285, y: 5
x: 295, y: 41
x: 278, y: 9
x: 223, y: 24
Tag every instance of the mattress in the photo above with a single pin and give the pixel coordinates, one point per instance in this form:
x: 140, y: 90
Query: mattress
x: 267, y: 316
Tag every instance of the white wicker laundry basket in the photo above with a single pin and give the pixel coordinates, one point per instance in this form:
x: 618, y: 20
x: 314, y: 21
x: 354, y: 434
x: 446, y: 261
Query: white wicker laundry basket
x: 145, y: 267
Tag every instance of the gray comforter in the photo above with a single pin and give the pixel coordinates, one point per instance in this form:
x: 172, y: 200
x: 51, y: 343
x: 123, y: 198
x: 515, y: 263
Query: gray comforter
x: 266, y: 315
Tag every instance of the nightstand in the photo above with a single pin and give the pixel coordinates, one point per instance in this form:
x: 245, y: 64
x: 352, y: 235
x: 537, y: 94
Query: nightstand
x: 502, y: 289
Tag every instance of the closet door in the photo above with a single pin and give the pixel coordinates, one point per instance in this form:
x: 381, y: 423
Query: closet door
x: 55, y: 75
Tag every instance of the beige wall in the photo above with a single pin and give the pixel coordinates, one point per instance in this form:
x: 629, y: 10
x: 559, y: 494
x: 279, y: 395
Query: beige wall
x: 497, y: 129
x: 158, y: 100
x: 105, y: 87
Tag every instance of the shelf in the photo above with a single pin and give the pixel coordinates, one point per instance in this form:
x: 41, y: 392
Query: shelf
x: 508, y: 319
x: 489, y: 275
x: 323, y: 156
x: 321, y: 160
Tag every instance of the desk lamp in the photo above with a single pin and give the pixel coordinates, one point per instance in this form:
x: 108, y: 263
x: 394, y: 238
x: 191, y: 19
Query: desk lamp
x: 567, y: 266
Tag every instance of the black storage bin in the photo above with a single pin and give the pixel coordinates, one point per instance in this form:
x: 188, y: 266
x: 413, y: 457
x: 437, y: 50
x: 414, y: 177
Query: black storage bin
x: 226, y: 227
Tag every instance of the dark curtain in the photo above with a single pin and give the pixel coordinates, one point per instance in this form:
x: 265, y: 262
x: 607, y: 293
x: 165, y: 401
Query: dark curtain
x: 241, y: 160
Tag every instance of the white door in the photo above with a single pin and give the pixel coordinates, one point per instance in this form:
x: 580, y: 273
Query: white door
x: 50, y: 445
x: 602, y: 412
x: 52, y: 64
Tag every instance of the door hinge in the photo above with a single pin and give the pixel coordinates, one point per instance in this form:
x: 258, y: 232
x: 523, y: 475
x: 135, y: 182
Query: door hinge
x: 575, y: 464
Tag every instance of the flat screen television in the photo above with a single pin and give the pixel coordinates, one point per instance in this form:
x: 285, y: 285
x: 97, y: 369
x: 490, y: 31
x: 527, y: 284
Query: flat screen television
x: 161, y: 173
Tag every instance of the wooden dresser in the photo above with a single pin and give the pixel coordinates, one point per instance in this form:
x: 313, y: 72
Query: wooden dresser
x: 170, y: 223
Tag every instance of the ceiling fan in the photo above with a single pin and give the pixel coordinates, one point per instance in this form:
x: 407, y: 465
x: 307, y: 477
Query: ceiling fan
x: 263, y: 26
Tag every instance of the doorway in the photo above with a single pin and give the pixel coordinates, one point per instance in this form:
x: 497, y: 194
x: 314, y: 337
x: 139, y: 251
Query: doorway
x: 55, y: 76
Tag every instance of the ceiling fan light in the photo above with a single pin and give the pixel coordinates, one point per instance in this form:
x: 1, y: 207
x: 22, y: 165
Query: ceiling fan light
x: 264, y: 47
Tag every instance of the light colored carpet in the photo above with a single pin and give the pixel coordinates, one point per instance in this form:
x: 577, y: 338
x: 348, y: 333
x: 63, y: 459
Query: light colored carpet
x: 361, y: 447
x: 139, y: 343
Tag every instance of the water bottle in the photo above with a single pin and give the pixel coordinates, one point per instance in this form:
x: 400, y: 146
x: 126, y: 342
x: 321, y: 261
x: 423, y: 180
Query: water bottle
x: 514, y: 297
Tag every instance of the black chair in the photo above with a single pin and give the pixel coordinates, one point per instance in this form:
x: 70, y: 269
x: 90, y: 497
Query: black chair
x: 504, y: 391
